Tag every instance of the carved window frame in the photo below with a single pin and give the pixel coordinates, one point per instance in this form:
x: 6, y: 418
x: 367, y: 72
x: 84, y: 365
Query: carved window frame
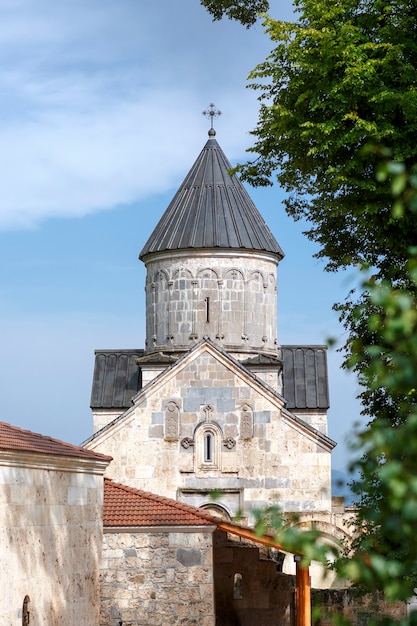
x: 208, y: 433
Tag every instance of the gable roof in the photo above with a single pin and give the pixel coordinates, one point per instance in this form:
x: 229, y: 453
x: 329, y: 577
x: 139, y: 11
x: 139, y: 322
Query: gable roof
x: 230, y: 361
x: 211, y: 209
x: 117, y: 376
x: 14, y: 439
x: 127, y: 506
x: 305, y: 381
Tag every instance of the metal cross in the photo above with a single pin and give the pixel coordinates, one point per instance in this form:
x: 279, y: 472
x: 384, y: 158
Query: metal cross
x: 211, y: 112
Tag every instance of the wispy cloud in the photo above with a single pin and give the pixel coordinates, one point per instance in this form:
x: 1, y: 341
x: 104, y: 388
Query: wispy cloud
x: 96, y: 112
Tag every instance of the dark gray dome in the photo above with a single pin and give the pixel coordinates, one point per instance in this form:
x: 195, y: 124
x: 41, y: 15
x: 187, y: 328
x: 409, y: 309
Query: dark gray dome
x: 211, y: 209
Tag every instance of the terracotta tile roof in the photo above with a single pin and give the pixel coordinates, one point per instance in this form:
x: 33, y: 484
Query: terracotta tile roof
x: 15, y: 439
x: 126, y: 506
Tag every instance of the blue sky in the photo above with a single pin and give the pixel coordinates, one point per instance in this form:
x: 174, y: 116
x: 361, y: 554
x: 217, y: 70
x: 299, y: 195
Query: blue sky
x: 100, y: 120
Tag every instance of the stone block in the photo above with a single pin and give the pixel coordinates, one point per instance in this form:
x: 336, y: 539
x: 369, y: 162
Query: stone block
x: 262, y: 417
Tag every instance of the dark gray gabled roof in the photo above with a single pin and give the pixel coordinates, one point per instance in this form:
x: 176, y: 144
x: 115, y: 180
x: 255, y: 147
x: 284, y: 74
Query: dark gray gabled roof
x: 305, y: 382
x: 117, y: 376
x: 211, y: 209
x: 320, y: 437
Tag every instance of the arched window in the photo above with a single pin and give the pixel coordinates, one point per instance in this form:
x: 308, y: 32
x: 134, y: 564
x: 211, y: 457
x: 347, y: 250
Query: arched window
x: 217, y: 510
x: 238, y: 587
x: 25, y: 611
x: 208, y: 447
x: 208, y: 441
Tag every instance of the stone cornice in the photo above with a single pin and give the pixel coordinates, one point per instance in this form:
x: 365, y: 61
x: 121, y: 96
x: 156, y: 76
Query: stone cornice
x: 158, y: 529
x: 217, y: 253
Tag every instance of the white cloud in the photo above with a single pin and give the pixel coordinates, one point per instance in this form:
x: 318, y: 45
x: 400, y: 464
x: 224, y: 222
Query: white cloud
x: 69, y: 163
x: 97, y: 111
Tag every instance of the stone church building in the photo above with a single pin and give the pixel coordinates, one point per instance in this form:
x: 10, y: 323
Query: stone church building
x: 212, y: 418
x: 214, y: 402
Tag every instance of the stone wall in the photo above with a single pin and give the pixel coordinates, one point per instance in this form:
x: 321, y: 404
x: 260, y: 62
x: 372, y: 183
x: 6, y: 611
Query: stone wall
x: 231, y: 298
x: 337, y: 528
x: 250, y: 591
x: 360, y: 610
x: 155, y: 578
x: 260, y: 455
x: 50, y: 535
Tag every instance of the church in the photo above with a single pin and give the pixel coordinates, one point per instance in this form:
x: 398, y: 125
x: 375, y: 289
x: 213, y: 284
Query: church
x: 213, y: 418
x: 213, y: 411
x: 213, y: 402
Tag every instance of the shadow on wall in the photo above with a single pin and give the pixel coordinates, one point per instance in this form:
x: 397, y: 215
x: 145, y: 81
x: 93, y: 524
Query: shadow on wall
x: 249, y: 590
x: 53, y: 548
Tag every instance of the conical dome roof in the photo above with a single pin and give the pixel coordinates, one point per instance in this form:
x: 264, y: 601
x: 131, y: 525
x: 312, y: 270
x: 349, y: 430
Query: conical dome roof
x: 211, y: 209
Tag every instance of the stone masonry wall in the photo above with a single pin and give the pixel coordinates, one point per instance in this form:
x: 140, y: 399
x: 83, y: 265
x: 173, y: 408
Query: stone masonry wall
x: 259, y: 457
x: 50, y: 536
x: 264, y: 595
x: 157, y: 579
x: 230, y: 298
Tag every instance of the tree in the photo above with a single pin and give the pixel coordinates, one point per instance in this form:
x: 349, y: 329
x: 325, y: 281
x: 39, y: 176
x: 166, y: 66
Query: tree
x: 384, y: 555
x: 340, y: 81
x: 244, y: 11
x: 338, y: 93
x: 386, y: 550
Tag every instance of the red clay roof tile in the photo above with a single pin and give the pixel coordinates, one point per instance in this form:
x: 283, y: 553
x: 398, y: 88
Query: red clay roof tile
x: 15, y: 439
x: 126, y: 506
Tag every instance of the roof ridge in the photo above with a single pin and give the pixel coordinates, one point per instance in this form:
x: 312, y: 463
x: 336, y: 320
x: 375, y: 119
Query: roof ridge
x: 228, y: 356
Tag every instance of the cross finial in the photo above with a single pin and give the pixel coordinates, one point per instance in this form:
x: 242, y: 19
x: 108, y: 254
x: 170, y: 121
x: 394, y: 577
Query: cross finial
x: 211, y: 112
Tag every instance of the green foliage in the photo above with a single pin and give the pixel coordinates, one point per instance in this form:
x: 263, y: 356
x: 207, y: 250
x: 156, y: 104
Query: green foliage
x: 383, y: 345
x: 387, y: 555
x: 337, y: 127
x: 340, y: 81
x: 244, y: 11
x: 308, y: 543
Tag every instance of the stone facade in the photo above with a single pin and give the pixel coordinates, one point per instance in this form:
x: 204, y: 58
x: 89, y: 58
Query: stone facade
x: 206, y: 412
x: 259, y: 453
x: 190, y: 577
x: 230, y: 297
x: 158, y: 577
x: 250, y: 590
x: 337, y: 528
x: 51, y: 537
